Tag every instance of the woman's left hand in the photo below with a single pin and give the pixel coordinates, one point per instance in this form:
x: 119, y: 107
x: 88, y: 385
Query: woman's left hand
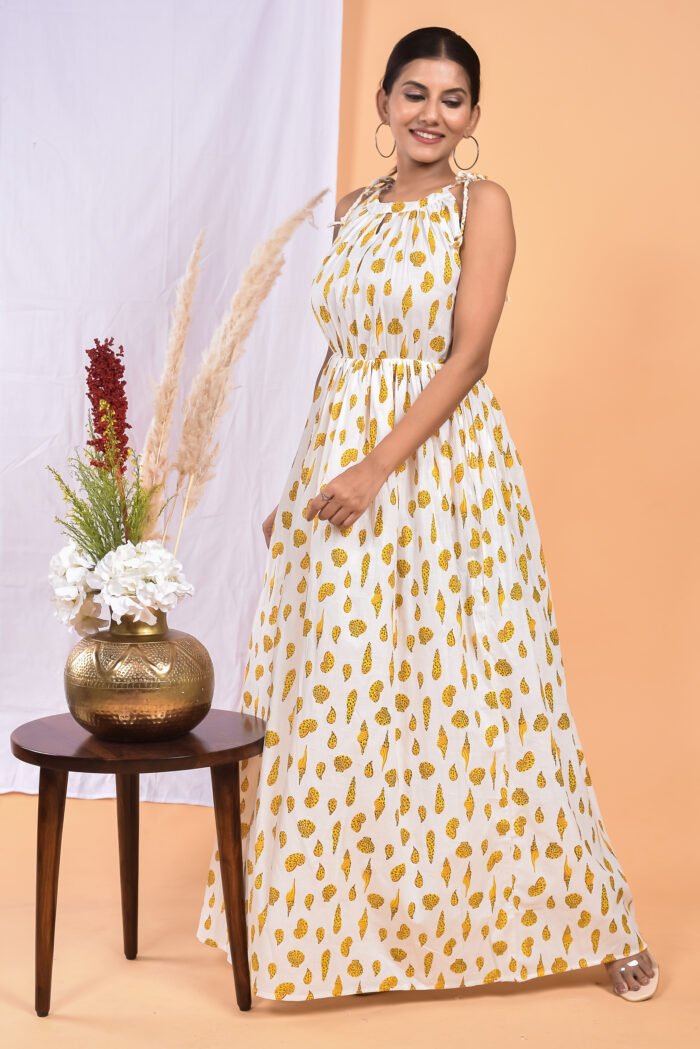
x: 351, y: 493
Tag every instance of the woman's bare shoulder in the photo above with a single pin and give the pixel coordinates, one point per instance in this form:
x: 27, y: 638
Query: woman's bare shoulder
x: 485, y: 188
x: 347, y: 201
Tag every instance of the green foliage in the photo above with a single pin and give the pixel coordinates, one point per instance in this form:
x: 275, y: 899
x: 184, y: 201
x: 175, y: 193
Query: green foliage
x: 138, y: 500
x: 104, y: 506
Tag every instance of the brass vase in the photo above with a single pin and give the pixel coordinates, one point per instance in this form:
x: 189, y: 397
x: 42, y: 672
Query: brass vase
x: 136, y: 682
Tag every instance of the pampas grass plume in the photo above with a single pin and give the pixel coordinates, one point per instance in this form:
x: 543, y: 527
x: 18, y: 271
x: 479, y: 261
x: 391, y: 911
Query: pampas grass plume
x: 208, y: 398
x: 155, y: 465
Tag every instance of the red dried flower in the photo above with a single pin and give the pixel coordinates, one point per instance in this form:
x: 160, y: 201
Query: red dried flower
x: 105, y: 382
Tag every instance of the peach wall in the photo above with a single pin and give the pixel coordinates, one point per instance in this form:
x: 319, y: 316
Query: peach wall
x: 589, y: 120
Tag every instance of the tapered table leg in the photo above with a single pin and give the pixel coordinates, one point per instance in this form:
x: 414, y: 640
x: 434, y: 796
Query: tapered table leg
x: 52, y: 804
x: 225, y: 787
x: 128, y: 828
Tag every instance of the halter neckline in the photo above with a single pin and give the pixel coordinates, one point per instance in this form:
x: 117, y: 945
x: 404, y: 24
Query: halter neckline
x: 369, y: 198
x: 385, y: 180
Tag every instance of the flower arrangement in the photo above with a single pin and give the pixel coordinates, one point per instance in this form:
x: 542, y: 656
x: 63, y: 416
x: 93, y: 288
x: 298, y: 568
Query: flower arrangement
x: 106, y: 561
x: 117, y: 561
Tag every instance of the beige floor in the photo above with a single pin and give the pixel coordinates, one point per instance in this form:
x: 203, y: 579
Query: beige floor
x: 179, y: 993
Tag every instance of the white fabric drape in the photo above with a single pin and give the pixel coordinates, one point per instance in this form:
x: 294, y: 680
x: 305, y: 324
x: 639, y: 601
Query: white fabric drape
x: 126, y: 128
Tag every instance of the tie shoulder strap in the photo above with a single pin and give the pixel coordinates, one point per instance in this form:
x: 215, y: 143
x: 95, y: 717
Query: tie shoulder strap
x: 359, y: 199
x: 466, y: 177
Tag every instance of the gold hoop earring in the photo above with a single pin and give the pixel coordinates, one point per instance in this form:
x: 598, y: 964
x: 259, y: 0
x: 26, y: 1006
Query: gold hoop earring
x: 385, y: 155
x: 474, y: 160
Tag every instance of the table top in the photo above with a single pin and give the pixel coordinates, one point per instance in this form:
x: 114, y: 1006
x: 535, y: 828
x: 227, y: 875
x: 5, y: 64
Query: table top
x: 59, y: 742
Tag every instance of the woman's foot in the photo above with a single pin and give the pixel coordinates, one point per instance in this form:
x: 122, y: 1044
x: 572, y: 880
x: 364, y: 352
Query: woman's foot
x: 635, y: 977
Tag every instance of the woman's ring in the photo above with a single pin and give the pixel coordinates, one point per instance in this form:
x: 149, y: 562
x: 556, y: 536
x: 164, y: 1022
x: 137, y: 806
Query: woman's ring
x: 326, y: 497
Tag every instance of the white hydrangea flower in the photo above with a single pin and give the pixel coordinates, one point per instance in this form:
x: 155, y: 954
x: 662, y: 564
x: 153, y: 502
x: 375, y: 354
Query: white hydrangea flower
x: 90, y: 617
x: 135, y: 578
x: 68, y: 571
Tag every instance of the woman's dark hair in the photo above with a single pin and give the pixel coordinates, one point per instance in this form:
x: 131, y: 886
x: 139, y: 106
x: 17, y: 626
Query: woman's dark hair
x: 434, y: 42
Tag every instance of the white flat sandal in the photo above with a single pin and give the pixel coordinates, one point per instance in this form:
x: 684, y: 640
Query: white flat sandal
x: 645, y: 990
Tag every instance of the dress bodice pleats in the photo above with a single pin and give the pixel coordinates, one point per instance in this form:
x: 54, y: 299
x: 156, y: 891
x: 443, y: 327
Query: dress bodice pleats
x: 387, y: 287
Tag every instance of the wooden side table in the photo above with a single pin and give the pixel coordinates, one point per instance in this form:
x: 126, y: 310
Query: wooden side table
x: 59, y: 745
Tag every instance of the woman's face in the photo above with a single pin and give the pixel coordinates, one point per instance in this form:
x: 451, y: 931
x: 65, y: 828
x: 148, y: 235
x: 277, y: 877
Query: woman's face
x: 431, y: 94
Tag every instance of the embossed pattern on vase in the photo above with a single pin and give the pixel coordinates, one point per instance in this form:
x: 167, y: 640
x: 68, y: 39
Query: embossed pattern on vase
x: 138, y: 687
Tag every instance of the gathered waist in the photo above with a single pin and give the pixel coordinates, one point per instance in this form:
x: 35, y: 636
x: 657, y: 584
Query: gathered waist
x: 392, y: 370
x: 353, y: 363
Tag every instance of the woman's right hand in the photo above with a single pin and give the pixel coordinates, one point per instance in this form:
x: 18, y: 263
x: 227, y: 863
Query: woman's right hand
x: 267, y: 526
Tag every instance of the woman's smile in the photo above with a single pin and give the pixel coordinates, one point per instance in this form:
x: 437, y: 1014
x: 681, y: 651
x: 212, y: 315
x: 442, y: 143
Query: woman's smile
x: 427, y: 137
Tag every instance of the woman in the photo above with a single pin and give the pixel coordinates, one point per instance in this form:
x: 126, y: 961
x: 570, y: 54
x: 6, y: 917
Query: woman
x: 421, y: 815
